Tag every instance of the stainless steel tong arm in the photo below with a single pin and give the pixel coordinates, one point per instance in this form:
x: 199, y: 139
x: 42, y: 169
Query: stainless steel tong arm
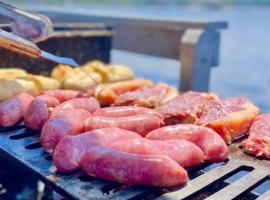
x: 32, y: 27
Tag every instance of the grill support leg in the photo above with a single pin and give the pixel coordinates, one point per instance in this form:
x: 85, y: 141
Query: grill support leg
x: 199, y: 52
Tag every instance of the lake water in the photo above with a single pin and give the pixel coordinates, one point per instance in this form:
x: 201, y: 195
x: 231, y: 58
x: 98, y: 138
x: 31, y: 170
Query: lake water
x: 244, y: 68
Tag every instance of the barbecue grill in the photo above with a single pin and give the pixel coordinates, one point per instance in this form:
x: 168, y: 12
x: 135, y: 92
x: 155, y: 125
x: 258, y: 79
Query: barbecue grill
x: 240, y: 177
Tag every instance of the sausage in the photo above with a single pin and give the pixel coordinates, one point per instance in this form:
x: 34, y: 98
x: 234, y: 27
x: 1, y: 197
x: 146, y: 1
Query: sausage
x: 185, y: 153
x: 88, y: 104
x: 70, y: 149
x: 213, y: 146
x: 113, y: 165
x: 125, y: 111
x: 62, y: 95
x: 12, y: 110
x: 68, y: 122
x: 141, y: 124
x: 37, y: 113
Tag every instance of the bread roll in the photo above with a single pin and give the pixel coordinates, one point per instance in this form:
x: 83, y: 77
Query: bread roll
x: 118, y: 73
x: 80, y: 80
x: 9, y: 88
x: 12, y: 73
x: 43, y: 83
x: 59, y: 72
x: 28, y: 86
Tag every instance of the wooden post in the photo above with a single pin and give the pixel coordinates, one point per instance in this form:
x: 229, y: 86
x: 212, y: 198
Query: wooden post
x: 199, y: 50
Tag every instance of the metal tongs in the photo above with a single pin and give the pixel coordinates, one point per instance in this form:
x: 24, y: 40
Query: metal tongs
x: 19, y: 45
x: 34, y: 27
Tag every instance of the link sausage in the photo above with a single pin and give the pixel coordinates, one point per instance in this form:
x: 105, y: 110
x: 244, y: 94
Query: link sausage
x: 156, y: 170
x: 125, y: 111
x: 68, y: 122
x: 70, y: 149
x: 88, y: 104
x: 12, y: 110
x: 213, y: 146
x: 141, y: 124
x: 185, y: 153
x: 37, y: 113
x: 62, y: 95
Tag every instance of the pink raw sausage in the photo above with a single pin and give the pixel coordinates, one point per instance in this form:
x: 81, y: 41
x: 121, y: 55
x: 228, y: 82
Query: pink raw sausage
x: 62, y: 95
x: 68, y: 122
x: 185, y: 153
x: 70, y: 149
x: 37, y: 113
x: 141, y: 124
x: 88, y: 104
x: 125, y: 111
x: 213, y: 146
x: 156, y: 170
x: 12, y: 110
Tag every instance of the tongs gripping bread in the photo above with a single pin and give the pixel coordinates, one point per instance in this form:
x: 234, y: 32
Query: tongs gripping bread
x: 19, y: 45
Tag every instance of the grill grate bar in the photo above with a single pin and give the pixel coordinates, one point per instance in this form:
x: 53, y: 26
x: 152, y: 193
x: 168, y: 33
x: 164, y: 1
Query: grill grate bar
x: 264, y: 196
x: 22, y: 146
x: 202, y: 181
x: 241, y: 185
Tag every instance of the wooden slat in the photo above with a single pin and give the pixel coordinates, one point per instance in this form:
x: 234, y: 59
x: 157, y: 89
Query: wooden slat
x: 201, y: 182
x: 241, y: 185
x: 264, y: 196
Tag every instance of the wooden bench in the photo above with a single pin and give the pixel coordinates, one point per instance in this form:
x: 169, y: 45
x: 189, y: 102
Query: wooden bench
x: 195, y: 44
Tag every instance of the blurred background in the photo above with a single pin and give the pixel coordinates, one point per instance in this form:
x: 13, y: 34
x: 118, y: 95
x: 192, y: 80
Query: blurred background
x: 244, y: 68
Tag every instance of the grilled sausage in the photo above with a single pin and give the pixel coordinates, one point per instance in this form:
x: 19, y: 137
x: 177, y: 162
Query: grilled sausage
x: 70, y: 149
x: 37, y: 113
x: 185, y: 153
x: 68, y: 122
x: 12, y: 110
x: 125, y: 111
x: 88, y: 104
x: 141, y: 124
x: 213, y: 146
x: 156, y: 170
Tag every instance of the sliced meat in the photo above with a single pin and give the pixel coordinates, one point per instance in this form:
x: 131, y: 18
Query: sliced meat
x: 213, y: 146
x: 68, y: 122
x: 141, y: 124
x: 185, y: 153
x: 230, y: 118
x: 106, y: 94
x: 38, y: 111
x: 156, y: 170
x: 125, y: 111
x: 70, y: 149
x: 62, y: 95
x: 258, y: 142
x: 186, y: 108
x: 148, y: 96
x: 12, y: 110
x: 88, y: 104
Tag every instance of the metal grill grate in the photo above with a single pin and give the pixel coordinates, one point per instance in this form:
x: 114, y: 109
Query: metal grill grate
x: 236, y: 178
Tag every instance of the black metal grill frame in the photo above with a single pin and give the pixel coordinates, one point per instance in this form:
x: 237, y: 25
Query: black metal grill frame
x: 22, y: 147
